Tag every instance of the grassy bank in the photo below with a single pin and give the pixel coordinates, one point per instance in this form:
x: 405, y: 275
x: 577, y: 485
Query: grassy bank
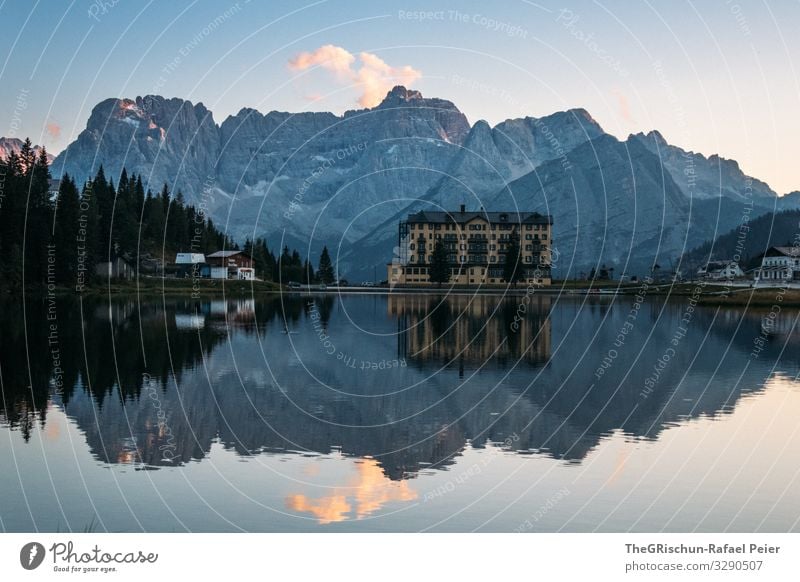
x: 157, y: 286
x: 755, y: 298
x: 198, y: 287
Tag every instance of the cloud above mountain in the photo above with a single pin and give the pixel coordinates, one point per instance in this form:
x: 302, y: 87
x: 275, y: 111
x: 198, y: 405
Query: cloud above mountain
x: 53, y: 130
x: 374, y: 76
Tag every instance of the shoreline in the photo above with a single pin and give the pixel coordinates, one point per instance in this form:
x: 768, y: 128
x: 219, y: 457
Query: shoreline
x: 712, y: 294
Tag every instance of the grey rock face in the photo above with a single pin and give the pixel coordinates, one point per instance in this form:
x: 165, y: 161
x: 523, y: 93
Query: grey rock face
x: 165, y: 140
x: 309, y: 179
x: 704, y: 177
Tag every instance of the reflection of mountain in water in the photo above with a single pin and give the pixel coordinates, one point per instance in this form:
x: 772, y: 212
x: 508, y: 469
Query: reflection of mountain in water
x: 266, y: 390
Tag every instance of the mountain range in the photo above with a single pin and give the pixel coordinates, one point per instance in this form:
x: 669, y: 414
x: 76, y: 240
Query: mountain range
x: 315, y: 178
x: 13, y: 144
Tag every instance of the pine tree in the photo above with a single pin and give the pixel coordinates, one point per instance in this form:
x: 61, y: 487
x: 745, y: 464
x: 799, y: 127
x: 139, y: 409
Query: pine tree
x: 12, y: 217
x: 440, y: 265
x: 38, y: 222
x: 88, y: 235
x: 325, y: 272
x: 512, y: 269
x: 67, y: 216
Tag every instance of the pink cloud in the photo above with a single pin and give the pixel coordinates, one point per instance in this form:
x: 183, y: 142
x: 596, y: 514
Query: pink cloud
x: 624, y: 106
x: 333, y: 58
x: 53, y: 129
x: 374, y: 76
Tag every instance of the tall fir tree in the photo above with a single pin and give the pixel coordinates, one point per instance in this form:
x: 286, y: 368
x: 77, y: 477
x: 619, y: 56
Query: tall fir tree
x: 67, y: 218
x: 512, y: 266
x: 325, y: 272
x: 440, y: 265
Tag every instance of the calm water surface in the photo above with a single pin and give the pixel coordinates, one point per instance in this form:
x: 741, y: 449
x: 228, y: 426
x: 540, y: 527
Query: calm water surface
x: 398, y: 413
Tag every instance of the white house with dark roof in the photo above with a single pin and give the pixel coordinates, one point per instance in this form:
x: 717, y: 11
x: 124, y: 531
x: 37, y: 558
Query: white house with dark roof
x: 779, y: 264
x: 720, y: 271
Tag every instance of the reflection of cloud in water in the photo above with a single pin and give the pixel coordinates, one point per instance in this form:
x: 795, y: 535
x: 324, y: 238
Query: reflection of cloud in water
x: 365, y: 493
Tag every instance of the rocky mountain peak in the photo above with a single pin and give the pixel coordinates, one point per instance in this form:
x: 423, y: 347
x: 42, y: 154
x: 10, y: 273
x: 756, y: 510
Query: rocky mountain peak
x: 400, y: 93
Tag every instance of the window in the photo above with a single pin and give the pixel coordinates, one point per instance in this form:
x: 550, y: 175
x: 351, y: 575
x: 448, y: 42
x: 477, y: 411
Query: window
x: 528, y: 227
x: 492, y: 247
x: 528, y: 247
x: 462, y: 258
x: 544, y: 237
x: 411, y: 246
x: 492, y: 259
x: 394, y: 271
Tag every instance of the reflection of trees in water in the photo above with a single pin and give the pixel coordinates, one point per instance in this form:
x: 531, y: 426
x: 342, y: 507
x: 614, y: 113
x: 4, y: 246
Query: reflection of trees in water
x: 101, y: 352
x: 564, y: 413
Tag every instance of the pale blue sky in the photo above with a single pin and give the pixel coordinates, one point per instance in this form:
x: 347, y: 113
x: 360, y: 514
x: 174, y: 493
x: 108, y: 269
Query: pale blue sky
x: 716, y: 76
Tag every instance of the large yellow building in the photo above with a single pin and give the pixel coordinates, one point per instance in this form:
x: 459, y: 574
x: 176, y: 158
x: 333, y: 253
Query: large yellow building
x: 476, y: 244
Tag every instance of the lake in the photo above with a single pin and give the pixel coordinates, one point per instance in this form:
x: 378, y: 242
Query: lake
x: 417, y: 412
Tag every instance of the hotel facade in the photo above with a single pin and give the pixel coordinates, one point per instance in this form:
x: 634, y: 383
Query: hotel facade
x: 476, y: 244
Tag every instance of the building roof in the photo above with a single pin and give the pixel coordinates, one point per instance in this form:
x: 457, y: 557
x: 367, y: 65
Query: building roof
x: 426, y: 216
x: 226, y: 254
x: 189, y: 258
x: 783, y: 251
x: 719, y: 265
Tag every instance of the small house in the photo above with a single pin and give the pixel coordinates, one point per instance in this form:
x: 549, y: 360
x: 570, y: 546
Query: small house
x: 779, y: 264
x: 189, y: 264
x: 227, y: 265
x: 720, y: 271
x: 116, y: 269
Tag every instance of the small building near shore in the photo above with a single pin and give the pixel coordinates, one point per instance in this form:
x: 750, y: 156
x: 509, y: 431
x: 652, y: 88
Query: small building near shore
x: 720, y: 271
x: 233, y: 262
x: 116, y: 269
x: 779, y: 264
x: 246, y: 274
x: 189, y: 264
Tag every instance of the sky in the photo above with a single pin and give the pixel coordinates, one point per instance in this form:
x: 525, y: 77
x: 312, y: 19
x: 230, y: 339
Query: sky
x: 716, y: 77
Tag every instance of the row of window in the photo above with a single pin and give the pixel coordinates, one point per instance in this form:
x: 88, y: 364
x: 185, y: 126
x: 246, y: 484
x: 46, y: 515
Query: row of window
x: 470, y: 259
x: 421, y: 239
x: 477, y: 227
x: 472, y: 247
x: 493, y: 272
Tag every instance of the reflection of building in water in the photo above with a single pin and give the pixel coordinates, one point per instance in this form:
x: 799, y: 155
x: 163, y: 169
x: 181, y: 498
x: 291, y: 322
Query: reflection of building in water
x: 472, y: 329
